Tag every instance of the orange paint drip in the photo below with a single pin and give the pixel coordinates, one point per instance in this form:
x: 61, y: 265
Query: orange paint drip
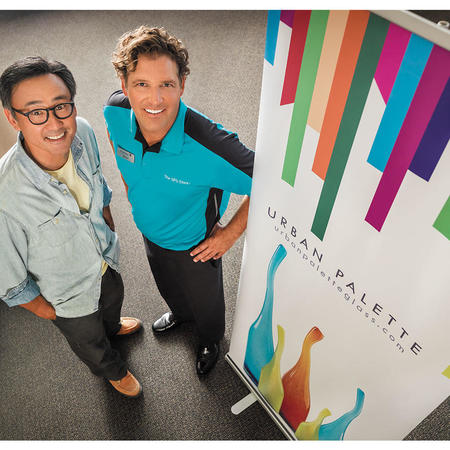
x: 348, y: 57
x: 296, y: 401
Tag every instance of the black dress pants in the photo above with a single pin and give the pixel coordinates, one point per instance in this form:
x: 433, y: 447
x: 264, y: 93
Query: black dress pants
x: 193, y: 291
x: 88, y: 336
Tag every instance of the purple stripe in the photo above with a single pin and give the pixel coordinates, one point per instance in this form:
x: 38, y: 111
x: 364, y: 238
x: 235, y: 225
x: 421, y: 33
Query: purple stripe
x: 434, y: 140
x: 429, y: 90
x: 287, y: 16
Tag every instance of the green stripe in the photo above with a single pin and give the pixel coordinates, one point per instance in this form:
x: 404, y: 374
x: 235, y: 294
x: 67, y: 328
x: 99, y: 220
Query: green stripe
x: 359, y: 90
x: 442, y: 223
x: 305, y: 88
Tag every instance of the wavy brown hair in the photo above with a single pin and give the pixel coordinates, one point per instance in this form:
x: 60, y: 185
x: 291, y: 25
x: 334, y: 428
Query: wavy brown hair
x: 151, y: 41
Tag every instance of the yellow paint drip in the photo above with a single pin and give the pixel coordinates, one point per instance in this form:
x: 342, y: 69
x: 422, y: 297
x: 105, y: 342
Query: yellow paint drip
x: 309, y: 431
x: 270, y: 384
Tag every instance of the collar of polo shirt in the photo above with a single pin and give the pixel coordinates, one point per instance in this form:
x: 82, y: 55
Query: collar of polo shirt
x: 173, y: 141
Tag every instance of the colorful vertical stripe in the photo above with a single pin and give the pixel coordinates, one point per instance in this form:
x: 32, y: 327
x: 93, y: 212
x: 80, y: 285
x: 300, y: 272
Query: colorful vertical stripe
x: 305, y: 87
x: 391, y: 57
x: 287, y: 17
x: 409, y: 74
x: 327, y: 65
x: 436, y: 136
x: 334, y: 57
x: 348, y: 56
x: 273, y: 23
x: 367, y: 62
x: 442, y: 223
x: 429, y: 90
x: 294, y: 61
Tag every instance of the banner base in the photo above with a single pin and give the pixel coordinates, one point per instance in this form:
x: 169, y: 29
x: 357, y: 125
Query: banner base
x: 262, y: 401
x: 243, y: 404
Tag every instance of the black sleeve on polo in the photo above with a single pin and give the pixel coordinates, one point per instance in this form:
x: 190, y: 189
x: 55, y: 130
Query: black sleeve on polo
x: 220, y: 141
x: 118, y: 98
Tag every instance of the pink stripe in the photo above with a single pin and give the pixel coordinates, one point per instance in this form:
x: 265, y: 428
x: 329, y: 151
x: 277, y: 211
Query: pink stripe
x: 390, y: 59
x: 429, y: 90
x: 287, y: 16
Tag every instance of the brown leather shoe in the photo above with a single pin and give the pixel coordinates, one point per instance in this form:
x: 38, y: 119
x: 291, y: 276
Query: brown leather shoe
x: 129, y: 326
x: 127, y: 386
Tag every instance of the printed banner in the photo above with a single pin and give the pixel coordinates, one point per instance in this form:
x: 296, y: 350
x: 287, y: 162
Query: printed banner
x: 342, y: 321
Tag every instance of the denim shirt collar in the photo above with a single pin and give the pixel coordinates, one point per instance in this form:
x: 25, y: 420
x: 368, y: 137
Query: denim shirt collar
x: 35, y: 174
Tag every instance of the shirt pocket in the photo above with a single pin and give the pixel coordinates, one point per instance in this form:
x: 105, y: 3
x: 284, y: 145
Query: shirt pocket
x: 58, y: 230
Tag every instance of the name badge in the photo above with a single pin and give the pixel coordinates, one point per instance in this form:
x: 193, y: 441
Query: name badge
x: 125, y: 154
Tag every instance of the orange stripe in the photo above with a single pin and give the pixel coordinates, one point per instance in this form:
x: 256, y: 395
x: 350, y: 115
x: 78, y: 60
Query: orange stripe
x: 348, y: 56
x: 328, y: 59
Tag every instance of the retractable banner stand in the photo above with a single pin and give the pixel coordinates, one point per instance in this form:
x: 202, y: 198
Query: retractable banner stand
x: 342, y: 325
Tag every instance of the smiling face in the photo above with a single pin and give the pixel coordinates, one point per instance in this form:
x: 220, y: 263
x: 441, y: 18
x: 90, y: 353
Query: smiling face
x: 154, y: 90
x: 49, y: 143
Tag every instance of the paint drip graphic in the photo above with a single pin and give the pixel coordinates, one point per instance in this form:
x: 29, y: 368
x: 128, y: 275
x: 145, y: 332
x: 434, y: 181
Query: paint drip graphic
x: 296, y: 402
x: 289, y: 395
x: 260, y: 341
x: 335, y: 431
x: 309, y: 431
x: 270, y: 384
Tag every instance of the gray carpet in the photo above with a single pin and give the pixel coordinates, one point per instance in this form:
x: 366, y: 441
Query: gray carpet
x: 46, y: 393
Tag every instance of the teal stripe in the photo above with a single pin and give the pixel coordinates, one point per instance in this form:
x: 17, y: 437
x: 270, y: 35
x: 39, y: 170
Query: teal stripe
x: 408, y: 77
x: 366, y: 66
x: 273, y: 23
x: 303, y: 96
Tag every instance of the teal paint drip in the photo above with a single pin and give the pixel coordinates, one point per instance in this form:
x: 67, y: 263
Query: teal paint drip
x: 334, y: 431
x: 260, y: 336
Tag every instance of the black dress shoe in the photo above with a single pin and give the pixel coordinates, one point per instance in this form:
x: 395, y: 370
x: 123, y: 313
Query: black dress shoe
x: 207, y: 358
x: 165, y: 322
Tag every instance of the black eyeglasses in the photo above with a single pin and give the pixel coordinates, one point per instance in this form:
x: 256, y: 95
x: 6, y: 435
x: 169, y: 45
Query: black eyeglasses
x: 40, y: 116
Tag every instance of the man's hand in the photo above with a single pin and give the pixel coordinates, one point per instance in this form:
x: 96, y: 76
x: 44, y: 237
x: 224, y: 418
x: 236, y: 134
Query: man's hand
x: 41, y: 308
x: 223, y: 238
x: 219, y: 242
x: 108, y: 217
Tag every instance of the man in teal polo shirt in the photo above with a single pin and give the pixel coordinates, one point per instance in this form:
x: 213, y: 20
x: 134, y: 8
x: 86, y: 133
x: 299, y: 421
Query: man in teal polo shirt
x: 179, y: 168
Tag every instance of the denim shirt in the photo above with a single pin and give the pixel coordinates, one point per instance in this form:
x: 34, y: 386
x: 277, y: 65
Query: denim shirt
x: 47, y: 246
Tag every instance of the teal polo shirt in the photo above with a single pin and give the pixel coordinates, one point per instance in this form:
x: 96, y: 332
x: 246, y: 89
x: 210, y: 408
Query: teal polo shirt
x: 180, y: 187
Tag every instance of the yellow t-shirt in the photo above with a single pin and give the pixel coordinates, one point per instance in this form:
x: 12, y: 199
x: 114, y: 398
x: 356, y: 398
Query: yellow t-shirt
x: 67, y: 174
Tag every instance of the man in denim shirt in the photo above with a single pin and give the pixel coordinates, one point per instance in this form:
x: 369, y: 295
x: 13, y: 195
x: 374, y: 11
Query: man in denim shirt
x: 59, y: 251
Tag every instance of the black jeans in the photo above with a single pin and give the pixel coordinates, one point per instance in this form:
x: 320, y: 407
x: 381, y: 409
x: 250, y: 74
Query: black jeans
x: 88, y: 336
x: 193, y: 291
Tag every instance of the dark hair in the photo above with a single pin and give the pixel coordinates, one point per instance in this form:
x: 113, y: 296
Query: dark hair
x: 150, y: 41
x: 30, y: 67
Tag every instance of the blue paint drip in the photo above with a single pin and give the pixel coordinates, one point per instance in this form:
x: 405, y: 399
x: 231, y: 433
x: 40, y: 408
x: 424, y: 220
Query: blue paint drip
x: 273, y: 22
x: 260, y: 335
x: 408, y: 77
x: 334, y: 431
